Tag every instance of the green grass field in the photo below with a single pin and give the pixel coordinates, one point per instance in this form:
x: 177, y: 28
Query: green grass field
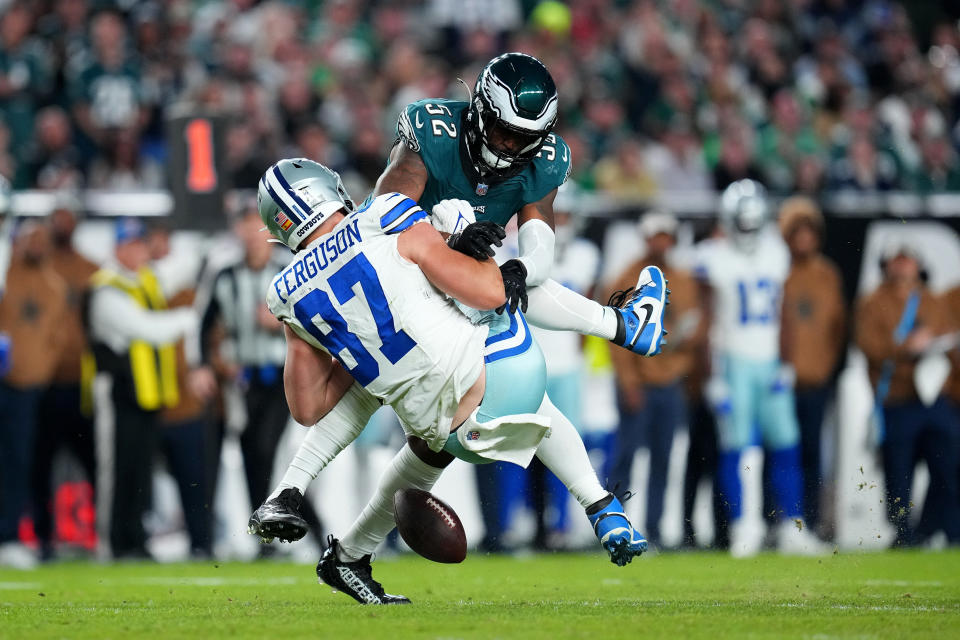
x: 891, y: 595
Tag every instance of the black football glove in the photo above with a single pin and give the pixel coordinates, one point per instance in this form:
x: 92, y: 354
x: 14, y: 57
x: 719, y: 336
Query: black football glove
x: 477, y: 239
x: 514, y: 276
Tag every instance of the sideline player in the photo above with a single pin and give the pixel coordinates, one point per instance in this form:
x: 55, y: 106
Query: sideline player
x: 498, y: 153
x: 751, y: 380
x: 353, y: 293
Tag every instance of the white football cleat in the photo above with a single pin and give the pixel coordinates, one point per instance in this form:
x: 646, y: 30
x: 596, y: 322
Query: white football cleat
x: 14, y: 555
x: 794, y: 538
x: 746, y: 539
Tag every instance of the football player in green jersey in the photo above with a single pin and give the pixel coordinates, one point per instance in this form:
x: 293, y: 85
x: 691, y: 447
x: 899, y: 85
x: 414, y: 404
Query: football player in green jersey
x: 499, y: 153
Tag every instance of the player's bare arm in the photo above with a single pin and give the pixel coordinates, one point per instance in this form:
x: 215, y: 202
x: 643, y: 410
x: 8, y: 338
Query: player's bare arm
x: 312, y: 380
x: 475, y: 283
x: 405, y: 174
x: 541, y: 210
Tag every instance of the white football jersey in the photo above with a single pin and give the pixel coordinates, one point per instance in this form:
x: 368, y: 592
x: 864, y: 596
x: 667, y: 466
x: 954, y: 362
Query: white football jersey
x: 748, y: 294
x: 351, y: 294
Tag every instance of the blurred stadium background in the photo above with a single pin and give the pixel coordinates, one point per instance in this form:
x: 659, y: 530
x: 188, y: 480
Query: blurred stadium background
x: 170, y: 110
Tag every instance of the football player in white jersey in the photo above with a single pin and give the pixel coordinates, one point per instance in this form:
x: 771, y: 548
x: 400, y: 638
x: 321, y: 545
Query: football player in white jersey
x: 368, y: 287
x: 751, y: 382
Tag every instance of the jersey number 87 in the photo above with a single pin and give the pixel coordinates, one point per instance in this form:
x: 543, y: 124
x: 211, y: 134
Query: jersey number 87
x: 394, y: 344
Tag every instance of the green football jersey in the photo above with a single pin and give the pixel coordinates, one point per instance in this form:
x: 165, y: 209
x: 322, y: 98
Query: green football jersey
x: 434, y: 129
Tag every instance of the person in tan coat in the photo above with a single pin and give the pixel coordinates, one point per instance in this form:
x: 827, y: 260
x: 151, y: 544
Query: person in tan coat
x: 951, y: 388
x: 895, y: 326
x: 815, y: 318
x: 65, y: 417
x: 651, y: 393
x: 31, y: 313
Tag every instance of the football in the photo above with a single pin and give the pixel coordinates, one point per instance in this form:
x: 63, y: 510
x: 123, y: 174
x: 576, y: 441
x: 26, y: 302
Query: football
x: 429, y: 526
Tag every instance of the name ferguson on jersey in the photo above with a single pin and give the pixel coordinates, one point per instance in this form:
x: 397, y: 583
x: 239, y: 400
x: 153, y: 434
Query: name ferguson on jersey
x: 317, y: 259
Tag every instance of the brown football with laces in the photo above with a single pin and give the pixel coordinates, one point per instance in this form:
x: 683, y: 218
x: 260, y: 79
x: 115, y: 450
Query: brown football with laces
x: 429, y: 526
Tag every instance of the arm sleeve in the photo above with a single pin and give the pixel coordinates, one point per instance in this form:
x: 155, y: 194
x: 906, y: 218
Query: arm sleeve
x: 536, y: 240
x: 115, y: 317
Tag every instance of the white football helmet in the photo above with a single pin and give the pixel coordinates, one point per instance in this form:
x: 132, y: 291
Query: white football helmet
x: 744, y: 212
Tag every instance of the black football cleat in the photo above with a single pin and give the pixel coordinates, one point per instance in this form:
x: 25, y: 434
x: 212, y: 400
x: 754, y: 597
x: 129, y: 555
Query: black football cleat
x: 279, y: 518
x: 353, y: 578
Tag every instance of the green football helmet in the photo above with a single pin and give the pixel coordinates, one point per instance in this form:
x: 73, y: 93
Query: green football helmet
x: 512, y: 111
x: 296, y: 195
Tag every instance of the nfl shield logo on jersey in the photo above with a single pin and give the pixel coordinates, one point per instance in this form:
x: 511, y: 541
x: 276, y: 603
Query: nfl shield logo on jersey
x: 473, y: 435
x: 482, y: 189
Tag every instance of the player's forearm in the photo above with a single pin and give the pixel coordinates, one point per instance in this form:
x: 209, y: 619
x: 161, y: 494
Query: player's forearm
x: 474, y: 283
x: 311, y: 382
x: 311, y: 399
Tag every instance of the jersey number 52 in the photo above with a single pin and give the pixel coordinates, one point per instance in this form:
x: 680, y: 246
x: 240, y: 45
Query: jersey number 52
x: 440, y: 126
x: 340, y: 339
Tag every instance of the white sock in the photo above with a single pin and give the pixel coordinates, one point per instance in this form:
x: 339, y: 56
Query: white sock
x: 562, y: 452
x: 553, y: 306
x: 376, y: 520
x: 326, y: 439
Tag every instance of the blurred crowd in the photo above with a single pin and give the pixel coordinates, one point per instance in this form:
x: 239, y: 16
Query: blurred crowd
x: 655, y: 96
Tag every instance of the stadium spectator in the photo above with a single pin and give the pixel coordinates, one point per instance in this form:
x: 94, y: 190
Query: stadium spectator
x: 107, y: 93
x: 623, y: 174
x: 782, y: 141
x: 245, y: 156
x: 183, y: 431
x: 122, y: 166
x: 814, y: 313
x: 702, y: 456
x: 676, y: 162
x: 65, y: 417
x: 735, y: 161
x: 951, y: 304
x: 650, y: 393
x: 51, y: 160
x: 25, y: 74
x: 863, y: 168
x: 133, y: 334
x: 30, y: 312
x: 895, y: 327
x: 938, y: 171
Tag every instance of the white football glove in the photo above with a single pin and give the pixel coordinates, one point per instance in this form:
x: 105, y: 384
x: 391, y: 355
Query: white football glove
x: 451, y: 216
